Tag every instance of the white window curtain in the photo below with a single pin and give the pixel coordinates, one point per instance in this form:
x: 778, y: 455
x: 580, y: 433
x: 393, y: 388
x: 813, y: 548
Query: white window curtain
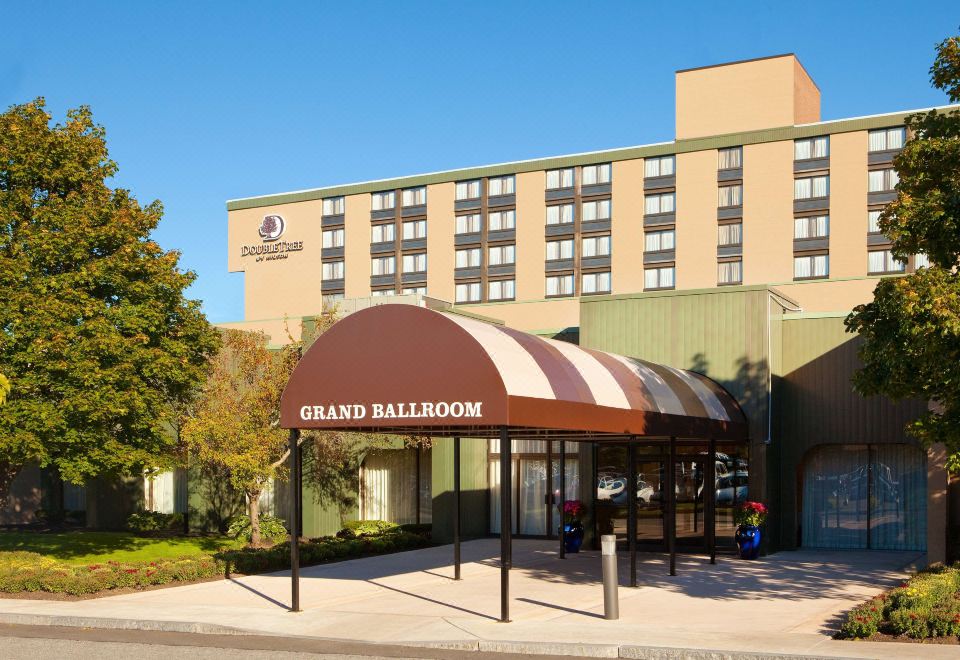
x: 659, y: 240
x: 332, y: 270
x: 383, y: 265
x: 469, y: 292
x: 333, y: 206
x: 382, y: 201
x: 596, y: 210
x: 596, y: 246
x: 730, y: 159
x: 390, y: 486
x: 664, y: 203
x: 873, y: 222
x: 414, y: 229
x: 596, y: 282
x: 560, y: 178
x: 502, y: 220
x: 594, y: 174
x: 921, y: 261
x: 468, y: 190
x: 382, y: 233
x: 658, y: 278
x: 503, y: 185
x: 559, y: 250
x: 468, y: 224
x: 501, y: 290
x: 560, y: 285
x: 159, y: 492
x: 414, y: 263
x: 729, y: 272
x: 469, y: 258
x: 414, y: 196
x: 811, y: 227
x: 663, y: 166
x: 730, y: 196
x: 333, y: 238
x: 560, y: 215
x: 730, y: 234
x: 502, y: 254
x: 887, y: 139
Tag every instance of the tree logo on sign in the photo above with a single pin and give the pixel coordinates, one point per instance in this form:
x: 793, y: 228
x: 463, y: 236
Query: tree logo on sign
x: 271, y: 227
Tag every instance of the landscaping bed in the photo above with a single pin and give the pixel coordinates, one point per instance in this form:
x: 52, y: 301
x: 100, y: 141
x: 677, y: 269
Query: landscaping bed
x: 924, y: 608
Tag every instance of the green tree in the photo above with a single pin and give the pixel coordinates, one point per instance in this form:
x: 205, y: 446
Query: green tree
x: 94, y: 327
x: 911, y: 329
x: 4, y: 389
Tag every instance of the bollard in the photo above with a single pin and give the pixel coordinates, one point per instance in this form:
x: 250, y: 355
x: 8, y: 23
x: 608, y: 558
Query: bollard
x: 608, y: 553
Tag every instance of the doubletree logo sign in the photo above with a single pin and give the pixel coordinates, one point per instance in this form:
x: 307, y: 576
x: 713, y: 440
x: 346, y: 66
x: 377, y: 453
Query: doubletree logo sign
x: 272, y: 248
x: 271, y: 227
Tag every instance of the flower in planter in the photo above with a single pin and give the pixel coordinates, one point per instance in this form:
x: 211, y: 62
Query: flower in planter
x: 750, y: 513
x: 573, y: 510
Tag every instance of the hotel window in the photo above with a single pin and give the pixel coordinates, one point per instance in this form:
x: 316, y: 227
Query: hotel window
x: 663, y: 166
x: 812, y: 187
x: 501, y: 290
x: 818, y: 147
x: 501, y: 185
x: 468, y: 224
x: 921, y: 261
x: 415, y: 196
x: 596, y: 246
x: 659, y: 241
x: 730, y: 272
x: 415, y: 290
x: 502, y: 220
x: 887, y: 139
x: 560, y: 285
x: 557, y: 179
x: 382, y: 233
x: 882, y: 261
x: 333, y: 238
x: 594, y: 174
x: 415, y: 263
x: 560, y: 249
x: 468, y: 189
x: 561, y: 214
x: 333, y: 206
x: 414, y: 229
x: 882, y: 180
x: 817, y: 226
x: 376, y: 293
x: 730, y: 234
x: 500, y: 255
x: 664, y: 203
x: 658, y: 278
x: 469, y: 292
x: 596, y: 210
x: 381, y: 201
x: 817, y: 265
x: 730, y: 159
x: 730, y: 196
x: 595, y: 282
x: 469, y: 258
x: 383, y: 266
x: 332, y: 270
x: 873, y: 222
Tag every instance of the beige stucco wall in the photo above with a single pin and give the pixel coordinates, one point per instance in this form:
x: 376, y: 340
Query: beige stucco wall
x: 440, y: 230
x: 767, y: 212
x: 531, y: 241
x: 848, y: 204
x: 806, y: 96
x: 696, y: 220
x: 356, y: 246
x: 627, y: 227
x: 532, y: 315
x: 829, y: 295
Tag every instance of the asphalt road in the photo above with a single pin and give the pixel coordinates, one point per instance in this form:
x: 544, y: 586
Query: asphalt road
x: 42, y: 642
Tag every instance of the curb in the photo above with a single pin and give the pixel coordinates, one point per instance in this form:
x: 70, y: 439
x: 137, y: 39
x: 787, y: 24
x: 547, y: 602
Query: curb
x: 121, y: 624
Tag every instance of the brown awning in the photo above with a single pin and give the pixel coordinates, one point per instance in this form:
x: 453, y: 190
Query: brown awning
x: 410, y: 370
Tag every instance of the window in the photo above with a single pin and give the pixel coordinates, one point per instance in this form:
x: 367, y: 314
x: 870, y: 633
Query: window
x: 882, y: 261
x: 730, y: 234
x: 468, y: 224
x: 873, y: 222
x: 415, y: 196
x: 594, y: 174
x: 560, y: 285
x: 596, y: 246
x: 596, y: 210
x: 381, y: 201
x: 658, y: 241
x: 414, y: 229
x: 658, y: 278
x: 817, y: 226
x: 382, y: 233
x: 730, y: 272
x: 730, y: 196
x: 811, y: 187
x: 332, y: 270
x: 469, y: 292
x: 383, y: 266
x: 501, y: 185
x: 415, y: 290
x: 376, y: 293
x: 921, y: 261
x: 415, y: 263
x: 817, y: 265
x: 469, y: 258
x: 887, y: 139
x: 664, y: 203
x: 560, y: 215
x: 662, y: 166
x: 333, y: 206
x: 882, y: 180
x: 818, y: 147
x: 502, y: 220
x: 331, y: 298
x: 595, y: 282
x: 500, y: 290
x: 560, y: 249
x: 730, y: 159
x: 502, y: 254
x: 557, y: 179
x: 468, y: 189
x: 333, y: 238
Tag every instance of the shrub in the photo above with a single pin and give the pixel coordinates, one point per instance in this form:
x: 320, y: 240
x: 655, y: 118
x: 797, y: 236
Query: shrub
x: 864, y: 620
x: 357, y: 528
x: 154, y: 521
x: 272, y: 529
x: 425, y: 529
x: 910, y: 622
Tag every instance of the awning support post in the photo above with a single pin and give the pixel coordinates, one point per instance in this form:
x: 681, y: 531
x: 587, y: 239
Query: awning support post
x: 563, y: 498
x: 296, y: 484
x: 456, y: 508
x: 550, y: 498
x: 632, y: 509
x: 672, y: 505
x: 506, y: 491
x: 710, y: 514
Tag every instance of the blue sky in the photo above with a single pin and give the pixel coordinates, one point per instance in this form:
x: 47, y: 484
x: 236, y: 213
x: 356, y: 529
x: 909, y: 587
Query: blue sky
x: 207, y: 101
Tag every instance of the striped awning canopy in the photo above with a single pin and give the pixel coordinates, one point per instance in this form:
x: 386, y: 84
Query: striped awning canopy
x: 407, y: 369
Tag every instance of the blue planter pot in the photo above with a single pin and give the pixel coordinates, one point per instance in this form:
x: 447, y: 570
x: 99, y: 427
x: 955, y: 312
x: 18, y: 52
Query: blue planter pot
x: 748, y: 541
x: 572, y: 536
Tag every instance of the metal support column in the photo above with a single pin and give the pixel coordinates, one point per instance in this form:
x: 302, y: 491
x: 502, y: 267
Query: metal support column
x: 456, y: 508
x: 563, y: 498
x: 632, y: 509
x: 710, y: 508
x: 296, y: 485
x: 550, y: 499
x: 506, y: 528
x: 672, y: 505
x: 418, y: 482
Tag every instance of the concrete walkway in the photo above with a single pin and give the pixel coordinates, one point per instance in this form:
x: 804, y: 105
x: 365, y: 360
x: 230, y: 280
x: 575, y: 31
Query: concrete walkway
x: 789, y: 603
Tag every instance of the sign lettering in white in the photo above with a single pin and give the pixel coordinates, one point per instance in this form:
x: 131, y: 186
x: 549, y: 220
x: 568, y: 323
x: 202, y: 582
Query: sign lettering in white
x: 426, y: 409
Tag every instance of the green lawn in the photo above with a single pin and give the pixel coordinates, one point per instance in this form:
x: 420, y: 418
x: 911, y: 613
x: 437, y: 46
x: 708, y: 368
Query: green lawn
x: 90, y: 547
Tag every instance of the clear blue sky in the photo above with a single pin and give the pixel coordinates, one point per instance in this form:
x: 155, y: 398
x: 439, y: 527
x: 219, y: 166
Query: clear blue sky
x: 207, y: 101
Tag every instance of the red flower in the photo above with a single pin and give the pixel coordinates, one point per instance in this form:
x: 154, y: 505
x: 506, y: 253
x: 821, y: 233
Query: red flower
x: 131, y: 570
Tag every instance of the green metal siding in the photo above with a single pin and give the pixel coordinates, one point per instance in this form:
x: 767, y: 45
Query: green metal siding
x: 474, y: 494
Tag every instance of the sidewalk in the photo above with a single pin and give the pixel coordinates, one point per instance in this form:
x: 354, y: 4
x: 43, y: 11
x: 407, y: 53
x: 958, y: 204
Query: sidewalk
x: 786, y: 604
